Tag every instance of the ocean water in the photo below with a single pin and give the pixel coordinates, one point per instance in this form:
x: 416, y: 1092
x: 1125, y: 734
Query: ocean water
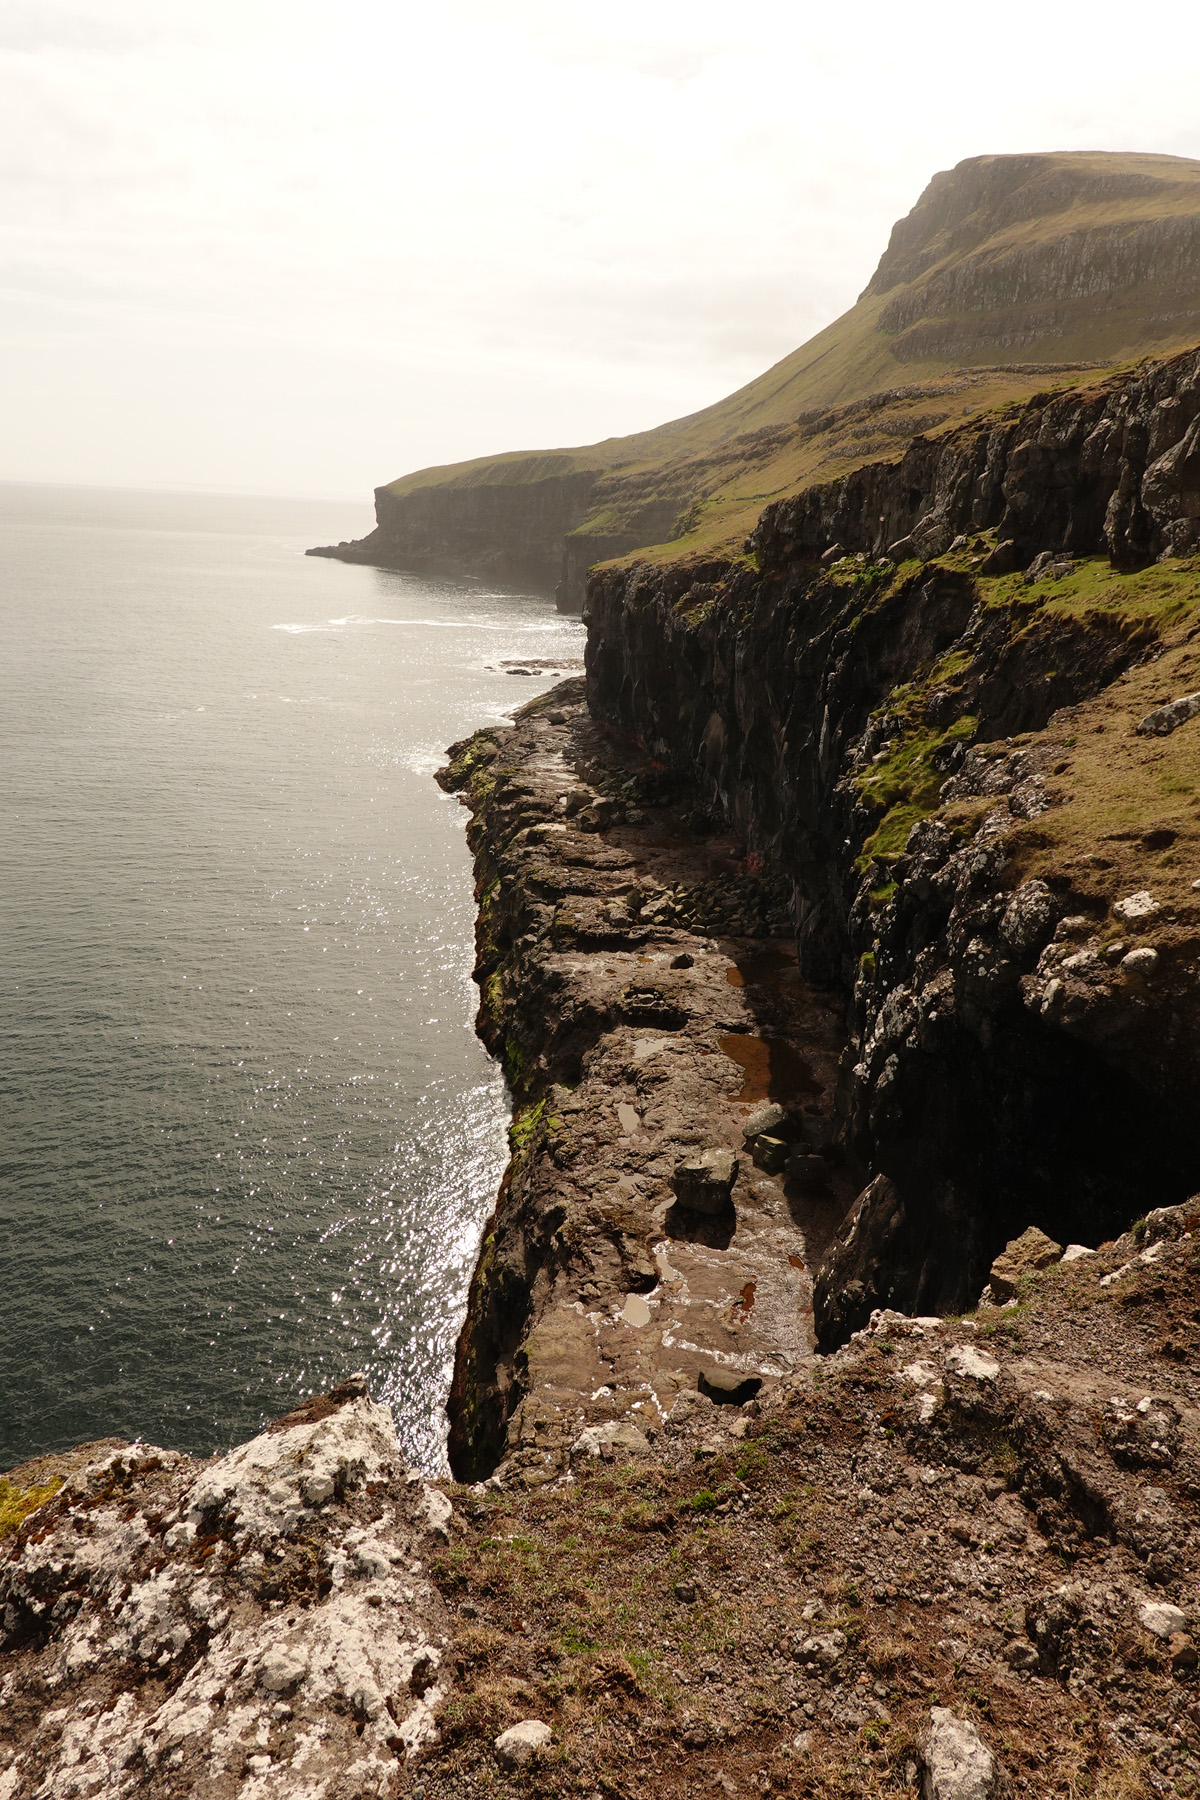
x: 247, y: 1136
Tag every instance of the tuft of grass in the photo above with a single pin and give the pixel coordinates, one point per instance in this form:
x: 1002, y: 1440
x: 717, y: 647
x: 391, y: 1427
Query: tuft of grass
x: 16, y: 1503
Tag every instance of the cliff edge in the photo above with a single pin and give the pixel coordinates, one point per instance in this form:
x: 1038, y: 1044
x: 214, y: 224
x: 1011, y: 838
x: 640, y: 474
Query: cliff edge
x: 1010, y: 271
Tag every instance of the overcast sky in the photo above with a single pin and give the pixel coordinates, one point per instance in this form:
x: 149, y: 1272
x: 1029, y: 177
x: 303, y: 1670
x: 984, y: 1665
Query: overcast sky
x: 285, y: 246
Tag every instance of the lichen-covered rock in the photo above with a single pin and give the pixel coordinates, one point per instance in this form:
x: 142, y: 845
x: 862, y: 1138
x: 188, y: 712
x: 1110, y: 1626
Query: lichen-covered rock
x: 1166, y: 719
x: 957, y: 1764
x: 251, y: 1625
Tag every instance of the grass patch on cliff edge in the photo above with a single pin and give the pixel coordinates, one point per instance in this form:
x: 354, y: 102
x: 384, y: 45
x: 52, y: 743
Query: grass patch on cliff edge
x: 16, y: 1503
x: 1128, y: 812
x: 1161, y: 595
x: 1161, y: 602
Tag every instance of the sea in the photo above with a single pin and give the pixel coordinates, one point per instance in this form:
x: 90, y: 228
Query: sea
x: 248, y: 1138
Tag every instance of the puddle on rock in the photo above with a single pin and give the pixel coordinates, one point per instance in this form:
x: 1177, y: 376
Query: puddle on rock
x: 762, y: 968
x: 771, y: 1069
x: 636, y: 1312
x: 744, y: 1304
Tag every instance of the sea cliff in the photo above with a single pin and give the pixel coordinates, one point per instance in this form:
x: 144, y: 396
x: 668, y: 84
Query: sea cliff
x: 826, y: 1417
x: 1010, y: 273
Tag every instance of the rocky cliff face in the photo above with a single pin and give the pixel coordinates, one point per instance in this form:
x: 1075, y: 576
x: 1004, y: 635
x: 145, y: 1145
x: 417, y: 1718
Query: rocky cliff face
x: 977, y: 267
x: 1009, y: 269
x: 945, y: 761
x: 509, y: 530
x: 1114, y: 468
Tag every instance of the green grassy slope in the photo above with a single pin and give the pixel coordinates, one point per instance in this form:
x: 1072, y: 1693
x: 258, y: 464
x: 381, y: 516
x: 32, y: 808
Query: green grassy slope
x: 1011, y: 274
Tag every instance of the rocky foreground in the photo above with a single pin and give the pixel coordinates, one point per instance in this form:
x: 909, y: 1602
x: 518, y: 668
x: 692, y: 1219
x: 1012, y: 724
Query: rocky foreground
x: 959, y: 1554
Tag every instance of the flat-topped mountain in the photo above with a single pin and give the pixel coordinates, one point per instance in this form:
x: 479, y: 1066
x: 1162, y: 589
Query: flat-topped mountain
x: 1011, y: 274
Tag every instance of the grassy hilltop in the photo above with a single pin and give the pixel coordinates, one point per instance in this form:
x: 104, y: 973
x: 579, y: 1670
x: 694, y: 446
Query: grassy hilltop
x: 1011, y: 274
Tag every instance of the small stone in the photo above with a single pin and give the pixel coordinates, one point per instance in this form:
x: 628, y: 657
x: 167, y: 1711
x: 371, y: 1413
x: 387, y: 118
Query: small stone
x: 704, y: 1184
x: 520, y: 1743
x: 822, y: 1651
x: 1026, y: 1255
x: 976, y: 1365
x: 1020, y: 1654
x: 1182, y: 1651
x: 1160, y: 1618
x: 687, y: 1592
x: 956, y: 1763
x: 1076, y: 1253
x: 1142, y: 961
x: 770, y: 1154
x: 728, y: 1387
x: 1141, y: 905
x: 763, y: 1119
x: 682, y: 961
x: 282, y: 1668
x: 834, y: 554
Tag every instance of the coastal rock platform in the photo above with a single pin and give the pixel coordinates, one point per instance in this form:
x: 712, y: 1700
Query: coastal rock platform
x: 640, y: 983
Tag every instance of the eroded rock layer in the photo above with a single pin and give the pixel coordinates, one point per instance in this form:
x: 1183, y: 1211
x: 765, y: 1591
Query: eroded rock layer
x: 640, y: 983
x: 260, y: 1624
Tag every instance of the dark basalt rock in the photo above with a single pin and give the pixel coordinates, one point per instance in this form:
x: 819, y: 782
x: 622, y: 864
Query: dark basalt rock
x: 994, y: 1079
x: 1111, y: 468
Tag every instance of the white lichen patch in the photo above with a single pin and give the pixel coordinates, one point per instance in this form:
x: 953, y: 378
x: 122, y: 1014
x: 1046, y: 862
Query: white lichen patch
x: 266, y: 1618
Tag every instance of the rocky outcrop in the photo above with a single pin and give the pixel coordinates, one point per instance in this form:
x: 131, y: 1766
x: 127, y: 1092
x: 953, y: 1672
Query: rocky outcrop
x: 507, y: 529
x: 920, y: 749
x: 638, y: 980
x: 1112, y: 468
x: 263, y: 1623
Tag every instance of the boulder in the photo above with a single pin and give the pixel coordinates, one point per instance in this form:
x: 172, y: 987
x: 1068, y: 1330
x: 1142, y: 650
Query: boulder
x: 1000, y: 561
x: 802, y: 1165
x: 1166, y: 719
x: 956, y: 1764
x: 1133, y: 907
x: 1029, y: 1254
x: 521, y: 1743
x: 704, y: 1183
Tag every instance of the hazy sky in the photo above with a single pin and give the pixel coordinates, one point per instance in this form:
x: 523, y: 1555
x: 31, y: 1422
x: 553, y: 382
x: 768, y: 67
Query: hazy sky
x: 303, y: 247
